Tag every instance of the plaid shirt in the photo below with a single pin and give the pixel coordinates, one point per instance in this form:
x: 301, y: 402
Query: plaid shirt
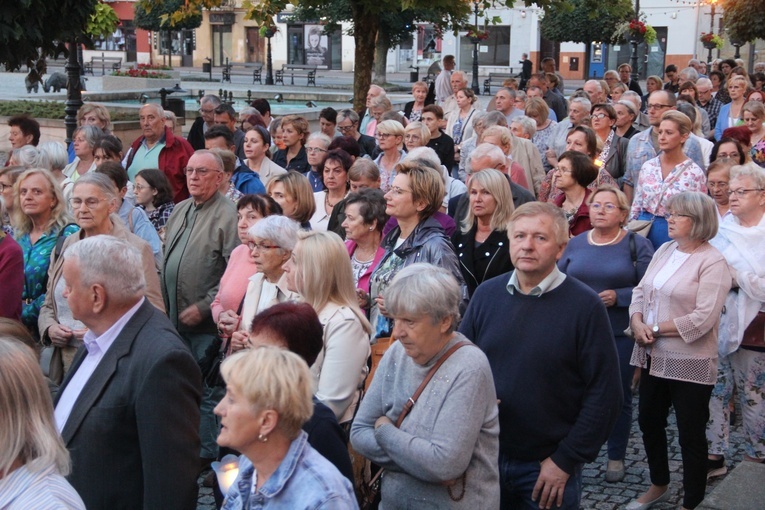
x: 713, y: 109
x: 159, y: 216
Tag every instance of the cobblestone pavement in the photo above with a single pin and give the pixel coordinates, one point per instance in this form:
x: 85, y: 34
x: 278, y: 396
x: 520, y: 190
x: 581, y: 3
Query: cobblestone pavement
x: 599, y: 495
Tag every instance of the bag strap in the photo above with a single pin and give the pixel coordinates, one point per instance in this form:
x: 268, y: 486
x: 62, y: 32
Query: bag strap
x: 413, y: 399
x: 633, y: 251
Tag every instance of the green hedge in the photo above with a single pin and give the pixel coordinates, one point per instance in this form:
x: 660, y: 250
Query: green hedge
x: 49, y: 110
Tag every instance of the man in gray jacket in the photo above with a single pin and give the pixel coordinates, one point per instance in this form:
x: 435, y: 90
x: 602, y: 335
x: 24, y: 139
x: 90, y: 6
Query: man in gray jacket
x: 200, y: 236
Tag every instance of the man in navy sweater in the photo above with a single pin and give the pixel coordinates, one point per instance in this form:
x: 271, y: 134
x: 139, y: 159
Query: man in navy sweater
x: 552, y: 353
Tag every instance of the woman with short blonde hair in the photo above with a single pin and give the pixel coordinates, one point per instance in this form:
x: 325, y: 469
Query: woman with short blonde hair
x: 33, y: 459
x: 319, y: 269
x: 294, y: 194
x: 413, y: 109
x: 416, y: 134
x: 390, y: 137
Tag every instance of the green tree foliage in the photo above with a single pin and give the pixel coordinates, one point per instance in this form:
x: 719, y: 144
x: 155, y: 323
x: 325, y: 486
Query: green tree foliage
x: 744, y: 19
x: 161, y: 15
x: 30, y: 29
x: 584, y: 21
x: 102, y: 21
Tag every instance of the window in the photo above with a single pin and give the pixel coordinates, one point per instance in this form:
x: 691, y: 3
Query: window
x: 494, y: 51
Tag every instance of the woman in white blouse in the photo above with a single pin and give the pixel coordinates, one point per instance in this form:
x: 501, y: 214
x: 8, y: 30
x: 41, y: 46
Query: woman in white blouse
x: 334, y: 176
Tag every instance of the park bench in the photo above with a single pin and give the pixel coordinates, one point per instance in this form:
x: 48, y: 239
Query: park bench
x: 257, y: 69
x: 296, y: 70
x: 496, y: 80
x: 113, y: 63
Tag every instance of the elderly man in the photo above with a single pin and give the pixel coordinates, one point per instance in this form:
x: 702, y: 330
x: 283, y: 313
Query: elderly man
x: 159, y: 148
x: 458, y: 81
x: 696, y: 65
x: 642, y: 146
x: 688, y: 74
x: 595, y: 90
x: 225, y: 115
x: 374, y: 92
x: 128, y: 408
x: 245, y: 180
x: 348, y: 125
x: 205, y: 121
x: 485, y: 156
x: 557, y: 380
x: 625, y: 75
x: 443, y: 80
x: 578, y: 111
x: 200, y: 236
x: 711, y: 104
x: 641, y: 121
x: 504, y: 101
x: 556, y: 103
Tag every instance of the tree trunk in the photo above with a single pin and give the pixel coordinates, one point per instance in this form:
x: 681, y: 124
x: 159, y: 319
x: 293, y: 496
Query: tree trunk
x: 364, y: 34
x: 381, y: 59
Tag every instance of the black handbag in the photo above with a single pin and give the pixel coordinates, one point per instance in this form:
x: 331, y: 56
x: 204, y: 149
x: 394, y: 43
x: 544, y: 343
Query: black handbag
x: 209, y: 364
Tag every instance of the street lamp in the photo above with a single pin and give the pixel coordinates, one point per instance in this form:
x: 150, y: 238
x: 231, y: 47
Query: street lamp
x: 269, y: 33
x: 711, y: 28
x: 635, y: 76
x: 475, y: 49
x: 73, y: 90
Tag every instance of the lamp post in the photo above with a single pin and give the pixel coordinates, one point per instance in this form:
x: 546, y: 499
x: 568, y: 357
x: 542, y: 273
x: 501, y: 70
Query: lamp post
x: 635, y: 76
x: 73, y: 91
x: 269, y: 33
x: 475, y: 50
x: 711, y: 28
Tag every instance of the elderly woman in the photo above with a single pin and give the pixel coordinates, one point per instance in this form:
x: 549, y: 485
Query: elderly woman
x: 316, y: 150
x: 574, y: 173
x: 718, y: 179
x: 481, y: 241
x: 320, y: 271
x: 390, y: 136
x: 42, y: 221
x: 251, y: 209
x: 268, y: 399
x: 429, y: 456
x: 29, y: 156
x: 24, y: 130
x: 459, y: 124
x: 741, y: 240
x: 84, y: 141
x: 625, y: 117
x: 94, y: 202
x: 668, y: 174
x: 365, y: 219
x: 154, y: 194
x: 8, y: 176
x: 753, y: 115
x: 294, y: 130
x: 335, y: 184
x: 416, y: 134
x: 538, y: 111
x: 293, y: 193
x: 502, y: 137
x: 257, y: 141
x: 674, y: 316
x: 611, y: 261
x: 379, y: 106
x: 413, y: 199
x: 413, y: 109
x: 55, y: 153
x: 730, y: 113
x: 270, y: 245
x: 33, y: 460
x: 613, y: 155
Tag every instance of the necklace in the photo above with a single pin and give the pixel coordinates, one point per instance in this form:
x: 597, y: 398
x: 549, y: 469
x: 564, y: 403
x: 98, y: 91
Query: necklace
x: 592, y: 241
x: 327, y: 202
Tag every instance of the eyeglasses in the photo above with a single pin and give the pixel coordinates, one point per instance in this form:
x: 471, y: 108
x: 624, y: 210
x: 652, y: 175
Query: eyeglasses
x: 560, y: 171
x: 599, y: 116
x: 728, y: 155
x: 742, y: 192
x: 90, y: 203
x: 4, y: 187
x: 201, y: 172
x: 261, y: 247
x: 210, y: 110
x: 606, y: 207
x: 717, y: 185
x: 139, y: 187
x: 343, y: 129
x: 383, y: 136
x: 674, y: 216
x: 412, y: 137
x: 311, y: 150
x: 399, y: 191
x: 658, y: 106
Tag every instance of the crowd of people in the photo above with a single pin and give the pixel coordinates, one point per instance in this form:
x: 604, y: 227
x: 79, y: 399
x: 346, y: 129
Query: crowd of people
x: 528, y: 264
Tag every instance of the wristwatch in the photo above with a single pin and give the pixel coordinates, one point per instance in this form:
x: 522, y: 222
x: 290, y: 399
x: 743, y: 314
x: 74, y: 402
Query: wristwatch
x: 655, y: 329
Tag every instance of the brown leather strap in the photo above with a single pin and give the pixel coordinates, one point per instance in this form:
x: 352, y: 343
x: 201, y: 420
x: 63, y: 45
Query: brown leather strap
x: 413, y: 399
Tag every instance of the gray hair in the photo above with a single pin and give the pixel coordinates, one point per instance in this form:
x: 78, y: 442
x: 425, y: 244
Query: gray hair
x: 702, y: 210
x: 30, y: 156
x: 56, y: 153
x: 279, y: 229
x: 628, y: 105
x: 93, y: 133
x: 634, y: 98
x: 423, y: 154
x: 424, y: 290
x: 101, y: 181
x: 211, y: 99
x: 586, y: 103
x: 689, y: 74
x: 706, y: 82
x: 347, y: 114
x: 491, y: 151
x: 247, y: 111
x: 527, y: 124
x: 214, y: 155
x: 534, y: 209
x: 751, y: 170
x: 97, y: 258
x: 611, y: 73
x: 460, y: 74
x: 494, y: 118
x: 320, y: 137
x: 510, y: 91
x: 158, y: 110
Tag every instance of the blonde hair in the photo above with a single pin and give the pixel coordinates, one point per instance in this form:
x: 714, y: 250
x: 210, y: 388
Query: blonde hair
x: 536, y: 107
x: 27, y: 429
x: 504, y: 134
x: 276, y: 379
x: 299, y: 123
x: 756, y: 108
x: 297, y: 186
x: 426, y: 184
x: 324, y: 273
x: 99, y: 110
x: 390, y: 127
x: 59, y: 215
x: 421, y: 130
x: 681, y: 120
x: 495, y: 182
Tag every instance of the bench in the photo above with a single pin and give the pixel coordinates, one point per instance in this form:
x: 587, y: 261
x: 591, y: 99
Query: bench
x: 296, y: 70
x: 257, y: 69
x: 113, y: 63
x: 496, y: 79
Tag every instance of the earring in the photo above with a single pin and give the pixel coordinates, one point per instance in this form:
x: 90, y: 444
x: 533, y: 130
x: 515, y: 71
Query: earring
x: 262, y: 438
x: 371, y: 229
